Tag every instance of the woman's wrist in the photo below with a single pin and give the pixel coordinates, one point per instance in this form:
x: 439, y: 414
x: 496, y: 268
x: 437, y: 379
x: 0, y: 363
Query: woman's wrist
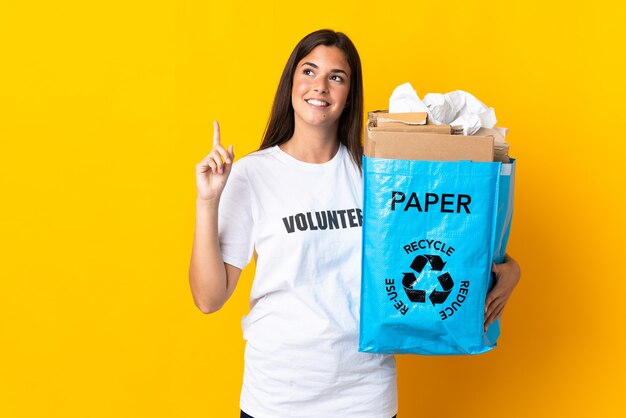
x: 210, y: 203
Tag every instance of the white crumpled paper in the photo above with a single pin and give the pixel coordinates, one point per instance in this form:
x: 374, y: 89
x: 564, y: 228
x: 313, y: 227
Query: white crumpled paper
x: 404, y: 99
x: 457, y: 108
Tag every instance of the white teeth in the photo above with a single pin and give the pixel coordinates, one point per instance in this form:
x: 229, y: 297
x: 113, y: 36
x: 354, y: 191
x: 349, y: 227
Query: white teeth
x: 317, y: 102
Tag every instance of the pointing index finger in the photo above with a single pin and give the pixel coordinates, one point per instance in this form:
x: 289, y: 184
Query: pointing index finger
x: 216, y: 133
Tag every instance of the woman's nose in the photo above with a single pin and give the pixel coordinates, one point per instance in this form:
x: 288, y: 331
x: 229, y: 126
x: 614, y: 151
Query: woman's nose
x: 321, y: 86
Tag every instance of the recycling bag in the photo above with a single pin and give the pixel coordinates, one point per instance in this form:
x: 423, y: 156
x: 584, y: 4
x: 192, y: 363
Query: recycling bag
x: 505, y: 209
x: 431, y: 231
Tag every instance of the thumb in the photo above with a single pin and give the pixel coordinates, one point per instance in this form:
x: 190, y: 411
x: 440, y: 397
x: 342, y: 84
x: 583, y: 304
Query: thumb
x: 495, y: 268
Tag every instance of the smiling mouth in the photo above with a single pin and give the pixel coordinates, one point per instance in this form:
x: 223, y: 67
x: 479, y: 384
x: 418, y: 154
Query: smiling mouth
x: 318, y: 103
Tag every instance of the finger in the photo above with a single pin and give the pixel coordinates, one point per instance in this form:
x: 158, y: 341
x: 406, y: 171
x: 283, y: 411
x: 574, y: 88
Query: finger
x: 493, y: 317
x: 231, y: 158
x: 490, y: 308
x: 212, y: 165
x: 499, y: 316
x: 217, y: 159
x: 488, y: 322
x: 491, y: 298
x: 493, y: 314
x: 498, y: 313
x: 216, y: 133
x: 204, y: 166
x: 488, y: 312
x: 223, y: 153
x: 497, y: 269
x: 488, y: 303
x: 231, y: 152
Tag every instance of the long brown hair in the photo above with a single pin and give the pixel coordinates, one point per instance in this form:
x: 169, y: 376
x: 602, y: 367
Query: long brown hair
x: 281, y: 124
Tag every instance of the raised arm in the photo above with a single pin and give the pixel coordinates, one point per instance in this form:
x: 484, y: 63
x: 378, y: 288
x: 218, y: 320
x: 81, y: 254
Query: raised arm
x: 211, y: 280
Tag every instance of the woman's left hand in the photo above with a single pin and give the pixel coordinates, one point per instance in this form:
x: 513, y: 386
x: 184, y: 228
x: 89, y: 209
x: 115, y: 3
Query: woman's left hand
x: 507, y: 277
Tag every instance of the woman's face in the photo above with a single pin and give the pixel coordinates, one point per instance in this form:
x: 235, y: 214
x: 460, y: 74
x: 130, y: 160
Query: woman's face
x: 321, y: 84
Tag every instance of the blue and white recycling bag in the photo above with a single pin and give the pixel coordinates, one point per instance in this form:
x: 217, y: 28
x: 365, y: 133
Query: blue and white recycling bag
x: 431, y: 231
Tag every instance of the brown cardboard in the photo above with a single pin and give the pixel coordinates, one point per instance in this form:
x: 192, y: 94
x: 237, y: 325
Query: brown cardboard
x: 412, y: 118
x: 500, y: 146
x: 502, y: 158
x: 427, y: 146
x: 402, y: 127
x: 411, y: 136
x: 497, y: 136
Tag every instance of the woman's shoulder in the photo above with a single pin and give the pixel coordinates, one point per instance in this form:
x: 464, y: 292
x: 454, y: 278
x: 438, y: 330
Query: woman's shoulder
x: 257, y: 157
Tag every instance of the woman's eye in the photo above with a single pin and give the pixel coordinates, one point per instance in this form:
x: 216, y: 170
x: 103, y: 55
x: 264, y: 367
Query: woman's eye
x: 336, y: 78
x: 307, y: 71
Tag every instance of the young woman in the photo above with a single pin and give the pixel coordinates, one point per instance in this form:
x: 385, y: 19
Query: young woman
x: 301, y: 357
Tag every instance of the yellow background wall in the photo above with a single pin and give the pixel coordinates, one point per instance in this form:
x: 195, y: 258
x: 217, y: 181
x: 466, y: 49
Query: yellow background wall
x: 105, y: 108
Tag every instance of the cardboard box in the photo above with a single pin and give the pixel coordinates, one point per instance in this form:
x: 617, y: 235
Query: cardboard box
x: 409, y: 143
x: 403, y: 127
x: 500, y: 146
x: 411, y: 118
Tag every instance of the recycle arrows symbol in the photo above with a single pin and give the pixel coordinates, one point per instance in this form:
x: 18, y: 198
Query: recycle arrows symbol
x: 419, y: 262
x: 408, y: 281
x: 445, y: 280
x: 446, y: 283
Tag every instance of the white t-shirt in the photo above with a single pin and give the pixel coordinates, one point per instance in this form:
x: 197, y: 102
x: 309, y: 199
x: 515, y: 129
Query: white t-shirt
x: 304, y: 221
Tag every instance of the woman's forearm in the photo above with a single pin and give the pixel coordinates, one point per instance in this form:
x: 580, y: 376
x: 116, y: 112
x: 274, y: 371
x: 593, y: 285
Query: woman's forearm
x: 208, y: 275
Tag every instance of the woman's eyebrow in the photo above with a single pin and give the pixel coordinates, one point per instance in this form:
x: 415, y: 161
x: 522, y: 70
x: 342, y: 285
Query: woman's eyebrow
x: 335, y: 70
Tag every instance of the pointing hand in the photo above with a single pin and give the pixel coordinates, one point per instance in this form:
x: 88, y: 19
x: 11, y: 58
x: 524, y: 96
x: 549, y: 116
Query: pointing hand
x: 212, y: 172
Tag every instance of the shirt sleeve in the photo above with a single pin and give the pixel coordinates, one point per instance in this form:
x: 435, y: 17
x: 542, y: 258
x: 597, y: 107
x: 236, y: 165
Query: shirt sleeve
x: 235, y: 223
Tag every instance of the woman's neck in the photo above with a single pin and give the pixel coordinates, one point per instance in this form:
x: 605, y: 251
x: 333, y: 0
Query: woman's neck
x: 315, y: 146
